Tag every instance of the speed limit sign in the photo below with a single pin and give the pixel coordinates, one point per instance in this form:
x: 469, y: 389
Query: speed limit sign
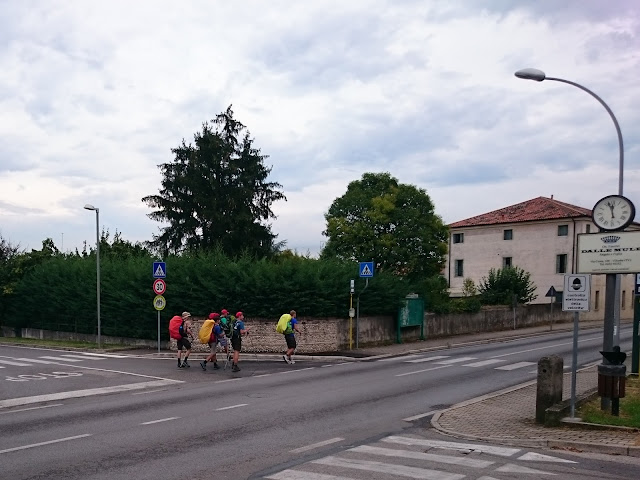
x: 159, y: 286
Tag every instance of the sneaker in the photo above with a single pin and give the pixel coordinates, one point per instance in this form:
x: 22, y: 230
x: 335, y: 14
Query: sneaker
x: 186, y: 364
x: 284, y: 357
x: 180, y: 364
x: 292, y: 361
x: 215, y: 366
x: 235, y: 368
x: 204, y: 365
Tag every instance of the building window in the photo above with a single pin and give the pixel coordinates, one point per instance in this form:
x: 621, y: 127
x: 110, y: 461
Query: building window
x: 588, y: 228
x: 563, y: 230
x: 624, y: 298
x: 596, y: 302
x: 508, y: 234
x: 561, y: 263
x: 507, y: 262
x: 458, y: 238
x: 459, y: 268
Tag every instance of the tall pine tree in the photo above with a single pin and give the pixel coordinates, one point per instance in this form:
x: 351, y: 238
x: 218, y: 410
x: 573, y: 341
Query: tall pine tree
x: 215, y: 193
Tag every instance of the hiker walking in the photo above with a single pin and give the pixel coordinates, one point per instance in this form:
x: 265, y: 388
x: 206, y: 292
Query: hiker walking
x: 290, y: 337
x: 237, y: 331
x: 184, y: 330
x: 217, y: 338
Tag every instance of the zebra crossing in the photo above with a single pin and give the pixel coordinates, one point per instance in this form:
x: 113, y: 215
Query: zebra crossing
x: 463, y: 361
x: 68, y: 358
x: 416, y: 457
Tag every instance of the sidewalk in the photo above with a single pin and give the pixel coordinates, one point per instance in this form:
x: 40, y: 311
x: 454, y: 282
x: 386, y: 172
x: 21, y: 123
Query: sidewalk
x: 508, y: 416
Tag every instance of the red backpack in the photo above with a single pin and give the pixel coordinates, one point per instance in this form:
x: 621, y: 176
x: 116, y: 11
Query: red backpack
x: 174, y: 327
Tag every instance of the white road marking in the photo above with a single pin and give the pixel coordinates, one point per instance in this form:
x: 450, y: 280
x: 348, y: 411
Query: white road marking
x: 106, y: 355
x: 544, y: 348
x: 483, y: 363
x: 161, y: 420
x: 263, y: 375
x: 538, y: 457
x: 431, y: 457
x: 15, y: 364
x: 228, y: 380
x: 317, y: 445
x: 455, y: 360
x: 13, y: 402
x: 60, y: 359
x: 420, y: 371
x: 490, y: 449
x: 422, y: 415
x: 83, y: 357
x: 427, y: 359
x: 293, y: 371
x: 35, y: 360
x: 33, y: 408
x: 510, y: 468
x: 397, y: 359
x: 388, y: 468
x: 515, y: 366
x: 150, y: 391
x: 232, y: 406
x: 487, y: 478
x: 297, y: 475
x: 24, y: 447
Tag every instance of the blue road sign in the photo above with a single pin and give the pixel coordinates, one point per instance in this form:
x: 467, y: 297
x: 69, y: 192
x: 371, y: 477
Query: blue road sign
x: 366, y: 269
x: 159, y: 270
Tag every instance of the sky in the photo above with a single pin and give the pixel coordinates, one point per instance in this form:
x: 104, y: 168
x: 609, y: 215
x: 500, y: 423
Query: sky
x: 94, y: 95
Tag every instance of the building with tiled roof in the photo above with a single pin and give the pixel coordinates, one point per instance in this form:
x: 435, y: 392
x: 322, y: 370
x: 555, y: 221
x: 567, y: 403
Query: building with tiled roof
x: 539, y: 236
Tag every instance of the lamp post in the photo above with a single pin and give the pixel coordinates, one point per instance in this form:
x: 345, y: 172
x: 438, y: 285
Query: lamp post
x: 97, y: 210
x: 612, y: 292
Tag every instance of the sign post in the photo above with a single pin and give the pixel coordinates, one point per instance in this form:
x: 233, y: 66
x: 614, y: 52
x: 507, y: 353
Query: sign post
x: 366, y: 272
x: 576, y: 298
x: 159, y: 271
x: 636, y: 323
x: 551, y: 293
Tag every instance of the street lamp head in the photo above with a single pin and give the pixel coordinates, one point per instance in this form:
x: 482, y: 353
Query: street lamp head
x: 531, y: 74
x: 89, y: 207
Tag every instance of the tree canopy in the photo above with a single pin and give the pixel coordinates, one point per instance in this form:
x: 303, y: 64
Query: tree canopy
x: 215, y: 193
x: 390, y: 223
x: 499, y: 287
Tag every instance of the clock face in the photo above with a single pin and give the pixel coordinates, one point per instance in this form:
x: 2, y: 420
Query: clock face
x: 613, y: 212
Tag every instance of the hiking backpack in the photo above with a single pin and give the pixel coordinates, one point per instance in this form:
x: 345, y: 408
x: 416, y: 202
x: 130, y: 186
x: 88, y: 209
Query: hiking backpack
x: 283, y: 323
x: 176, y: 326
x: 205, y: 332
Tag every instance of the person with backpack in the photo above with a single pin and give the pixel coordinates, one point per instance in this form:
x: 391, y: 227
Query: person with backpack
x: 225, y: 322
x: 184, y: 330
x: 217, y: 338
x: 290, y: 337
x: 238, y: 329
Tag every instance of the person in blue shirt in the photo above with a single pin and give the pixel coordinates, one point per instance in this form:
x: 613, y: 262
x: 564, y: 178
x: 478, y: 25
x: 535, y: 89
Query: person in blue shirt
x: 290, y: 337
x: 217, y: 338
x: 239, y: 329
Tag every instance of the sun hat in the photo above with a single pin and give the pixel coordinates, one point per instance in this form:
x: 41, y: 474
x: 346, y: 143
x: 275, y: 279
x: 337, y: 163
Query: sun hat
x: 214, y: 315
x: 185, y: 314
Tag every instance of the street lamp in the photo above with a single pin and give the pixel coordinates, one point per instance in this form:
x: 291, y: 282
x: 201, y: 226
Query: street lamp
x: 97, y: 210
x: 612, y: 293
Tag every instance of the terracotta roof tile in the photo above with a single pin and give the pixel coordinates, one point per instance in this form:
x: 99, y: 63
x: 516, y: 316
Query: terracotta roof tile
x: 541, y: 208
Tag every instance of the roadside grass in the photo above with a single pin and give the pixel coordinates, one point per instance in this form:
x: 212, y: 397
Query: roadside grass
x: 35, y: 342
x: 629, y: 408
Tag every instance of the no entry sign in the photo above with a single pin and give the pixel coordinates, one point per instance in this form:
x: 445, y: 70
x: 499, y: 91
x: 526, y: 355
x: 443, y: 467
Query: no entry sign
x: 159, y: 286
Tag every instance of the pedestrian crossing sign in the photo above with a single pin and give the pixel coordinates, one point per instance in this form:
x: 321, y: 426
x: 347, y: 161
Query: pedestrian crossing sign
x: 366, y: 269
x: 159, y: 270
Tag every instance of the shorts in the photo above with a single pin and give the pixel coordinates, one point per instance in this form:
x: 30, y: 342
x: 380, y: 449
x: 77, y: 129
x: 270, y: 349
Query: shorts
x: 184, y: 342
x: 222, y: 341
x: 236, y: 343
x: 291, y: 340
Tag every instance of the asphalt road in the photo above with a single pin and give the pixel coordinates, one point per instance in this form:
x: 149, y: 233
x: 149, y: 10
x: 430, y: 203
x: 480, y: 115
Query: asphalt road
x: 92, y: 417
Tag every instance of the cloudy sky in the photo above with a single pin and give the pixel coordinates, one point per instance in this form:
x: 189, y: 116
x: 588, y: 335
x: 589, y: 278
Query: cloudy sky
x: 93, y: 95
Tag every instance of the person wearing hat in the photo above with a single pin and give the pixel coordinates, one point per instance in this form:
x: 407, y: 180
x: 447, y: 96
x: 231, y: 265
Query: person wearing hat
x: 217, y: 338
x: 225, y: 322
x: 183, y: 341
x: 239, y: 329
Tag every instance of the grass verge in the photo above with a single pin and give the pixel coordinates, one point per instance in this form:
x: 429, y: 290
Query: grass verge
x: 629, y: 408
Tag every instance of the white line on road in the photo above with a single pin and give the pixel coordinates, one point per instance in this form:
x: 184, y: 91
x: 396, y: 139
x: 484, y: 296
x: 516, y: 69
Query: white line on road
x: 455, y: 360
x: 35, y: 360
x: 83, y: 357
x: 422, y: 442
x: 515, y: 366
x: 397, y: 359
x: 150, y: 391
x: 317, y: 445
x: 420, y: 371
x: 539, y: 457
x: 388, y: 468
x: 543, y: 348
x: 232, y: 406
x: 228, y: 380
x: 24, y: 447
x: 106, y: 355
x: 418, y: 417
x: 430, y: 457
x: 483, y: 363
x: 161, y: 420
x: 297, y: 370
x: 15, y: 364
x: 60, y: 359
x: 298, y: 475
x: 33, y: 408
x: 427, y: 359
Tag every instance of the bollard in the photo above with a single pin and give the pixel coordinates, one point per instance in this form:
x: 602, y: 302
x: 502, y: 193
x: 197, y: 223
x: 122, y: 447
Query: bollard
x: 549, y: 388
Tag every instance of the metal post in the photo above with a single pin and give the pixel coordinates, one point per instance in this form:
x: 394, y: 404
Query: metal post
x: 574, y: 363
x: 551, y: 319
x: 607, y: 342
x: 636, y: 340
x: 98, y: 270
x: 158, y: 331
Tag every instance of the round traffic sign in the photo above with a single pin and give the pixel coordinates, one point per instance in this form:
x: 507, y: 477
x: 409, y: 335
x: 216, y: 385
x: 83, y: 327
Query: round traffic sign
x: 159, y: 302
x: 159, y: 286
